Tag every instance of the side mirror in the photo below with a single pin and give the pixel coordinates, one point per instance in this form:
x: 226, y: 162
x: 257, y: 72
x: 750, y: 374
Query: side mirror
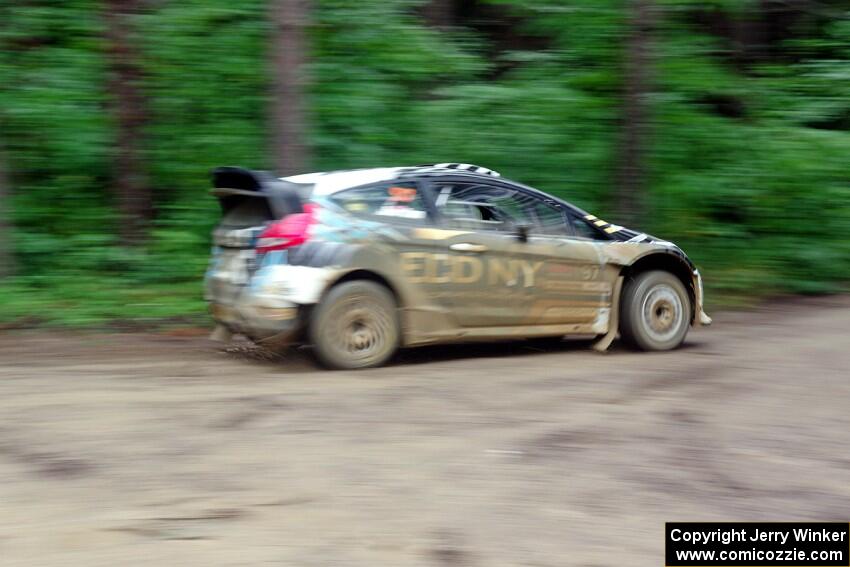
x: 522, y: 232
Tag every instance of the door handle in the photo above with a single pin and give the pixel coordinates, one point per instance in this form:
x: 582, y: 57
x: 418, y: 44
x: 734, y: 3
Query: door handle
x: 468, y: 247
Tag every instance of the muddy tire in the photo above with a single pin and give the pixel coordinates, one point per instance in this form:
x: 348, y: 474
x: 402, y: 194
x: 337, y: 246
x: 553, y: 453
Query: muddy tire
x: 655, y: 311
x: 355, y: 326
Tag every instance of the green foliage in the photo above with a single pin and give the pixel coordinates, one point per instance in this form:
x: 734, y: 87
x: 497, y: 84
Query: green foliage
x: 748, y: 160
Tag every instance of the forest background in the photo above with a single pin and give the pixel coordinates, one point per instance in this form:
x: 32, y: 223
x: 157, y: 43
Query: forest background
x: 723, y: 125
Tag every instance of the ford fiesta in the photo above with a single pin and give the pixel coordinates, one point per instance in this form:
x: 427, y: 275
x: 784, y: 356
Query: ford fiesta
x: 360, y: 263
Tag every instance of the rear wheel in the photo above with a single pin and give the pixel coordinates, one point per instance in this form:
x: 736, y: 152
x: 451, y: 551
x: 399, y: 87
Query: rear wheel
x: 355, y: 326
x: 656, y: 311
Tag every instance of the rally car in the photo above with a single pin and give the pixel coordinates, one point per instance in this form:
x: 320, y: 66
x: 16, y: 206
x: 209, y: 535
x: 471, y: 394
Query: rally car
x: 359, y: 263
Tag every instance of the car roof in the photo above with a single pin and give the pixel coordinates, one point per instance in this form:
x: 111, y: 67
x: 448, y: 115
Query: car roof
x: 330, y: 182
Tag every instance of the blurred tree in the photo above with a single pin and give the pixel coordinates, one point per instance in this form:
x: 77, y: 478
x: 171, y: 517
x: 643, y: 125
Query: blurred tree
x: 439, y: 13
x: 129, y: 108
x: 7, y: 265
x: 629, y: 194
x: 289, y: 108
x: 747, y: 166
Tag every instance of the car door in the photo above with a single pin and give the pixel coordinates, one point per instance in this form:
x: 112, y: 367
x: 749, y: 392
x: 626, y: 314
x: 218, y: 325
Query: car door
x: 484, y: 284
x: 515, y: 260
x: 572, y: 285
x: 404, y: 241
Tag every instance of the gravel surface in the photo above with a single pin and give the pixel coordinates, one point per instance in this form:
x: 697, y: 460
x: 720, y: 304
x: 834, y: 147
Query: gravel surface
x: 136, y: 449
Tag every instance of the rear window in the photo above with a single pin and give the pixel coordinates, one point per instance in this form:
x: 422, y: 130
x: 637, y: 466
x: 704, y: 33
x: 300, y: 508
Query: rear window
x: 386, y: 201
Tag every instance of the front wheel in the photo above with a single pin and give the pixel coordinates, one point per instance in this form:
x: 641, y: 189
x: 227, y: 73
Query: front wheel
x: 656, y: 311
x: 355, y: 326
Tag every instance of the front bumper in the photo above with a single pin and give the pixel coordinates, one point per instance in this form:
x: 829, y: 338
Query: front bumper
x: 700, y: 316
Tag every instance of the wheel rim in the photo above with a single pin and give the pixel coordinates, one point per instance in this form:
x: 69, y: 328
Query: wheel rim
x: 360, y: 328
x: 662, y: 312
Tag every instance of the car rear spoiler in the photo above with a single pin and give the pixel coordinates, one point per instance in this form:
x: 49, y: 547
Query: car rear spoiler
x: 232, y: 185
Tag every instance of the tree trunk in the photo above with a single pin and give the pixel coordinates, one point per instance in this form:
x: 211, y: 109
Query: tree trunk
x: 291, y: 154
x: 632, y: 167
x: 7, y: 258
x: 129, y: 109
x: 439, y: 13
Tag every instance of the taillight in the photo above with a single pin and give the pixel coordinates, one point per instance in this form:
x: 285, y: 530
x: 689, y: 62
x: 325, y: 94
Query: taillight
x: 290, y: 231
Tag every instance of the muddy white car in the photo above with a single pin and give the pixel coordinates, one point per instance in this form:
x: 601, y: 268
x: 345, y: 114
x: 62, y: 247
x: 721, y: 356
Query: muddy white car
x: 361, y: 263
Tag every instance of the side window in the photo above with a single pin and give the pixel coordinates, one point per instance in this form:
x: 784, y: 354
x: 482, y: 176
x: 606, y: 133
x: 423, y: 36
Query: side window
x: 583, y: 229
x: 386, y: 201
x: 551, y: 219
x: 473, y: 206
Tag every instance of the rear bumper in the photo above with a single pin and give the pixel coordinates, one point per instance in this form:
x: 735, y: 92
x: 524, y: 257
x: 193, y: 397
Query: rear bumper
x: 259, y: 321
x: 273, y: 303
x: 241, y: 309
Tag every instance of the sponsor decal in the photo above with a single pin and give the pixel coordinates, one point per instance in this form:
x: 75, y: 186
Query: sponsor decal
x: 426, y: 267
x: 606, y: 226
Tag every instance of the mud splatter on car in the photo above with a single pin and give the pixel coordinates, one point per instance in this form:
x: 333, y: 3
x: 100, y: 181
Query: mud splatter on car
x: 360, y: 263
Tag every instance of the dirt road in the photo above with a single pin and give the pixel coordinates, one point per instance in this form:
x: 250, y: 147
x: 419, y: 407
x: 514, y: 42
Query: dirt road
x: 149, y: 450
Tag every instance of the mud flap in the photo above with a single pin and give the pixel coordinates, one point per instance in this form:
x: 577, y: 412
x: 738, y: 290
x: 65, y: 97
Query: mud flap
x: 604, y: 343
x: 276, y: 343
x: 221, y: 334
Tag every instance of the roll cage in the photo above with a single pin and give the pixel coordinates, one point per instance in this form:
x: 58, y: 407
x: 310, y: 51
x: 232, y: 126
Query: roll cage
x: 429, y: 179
